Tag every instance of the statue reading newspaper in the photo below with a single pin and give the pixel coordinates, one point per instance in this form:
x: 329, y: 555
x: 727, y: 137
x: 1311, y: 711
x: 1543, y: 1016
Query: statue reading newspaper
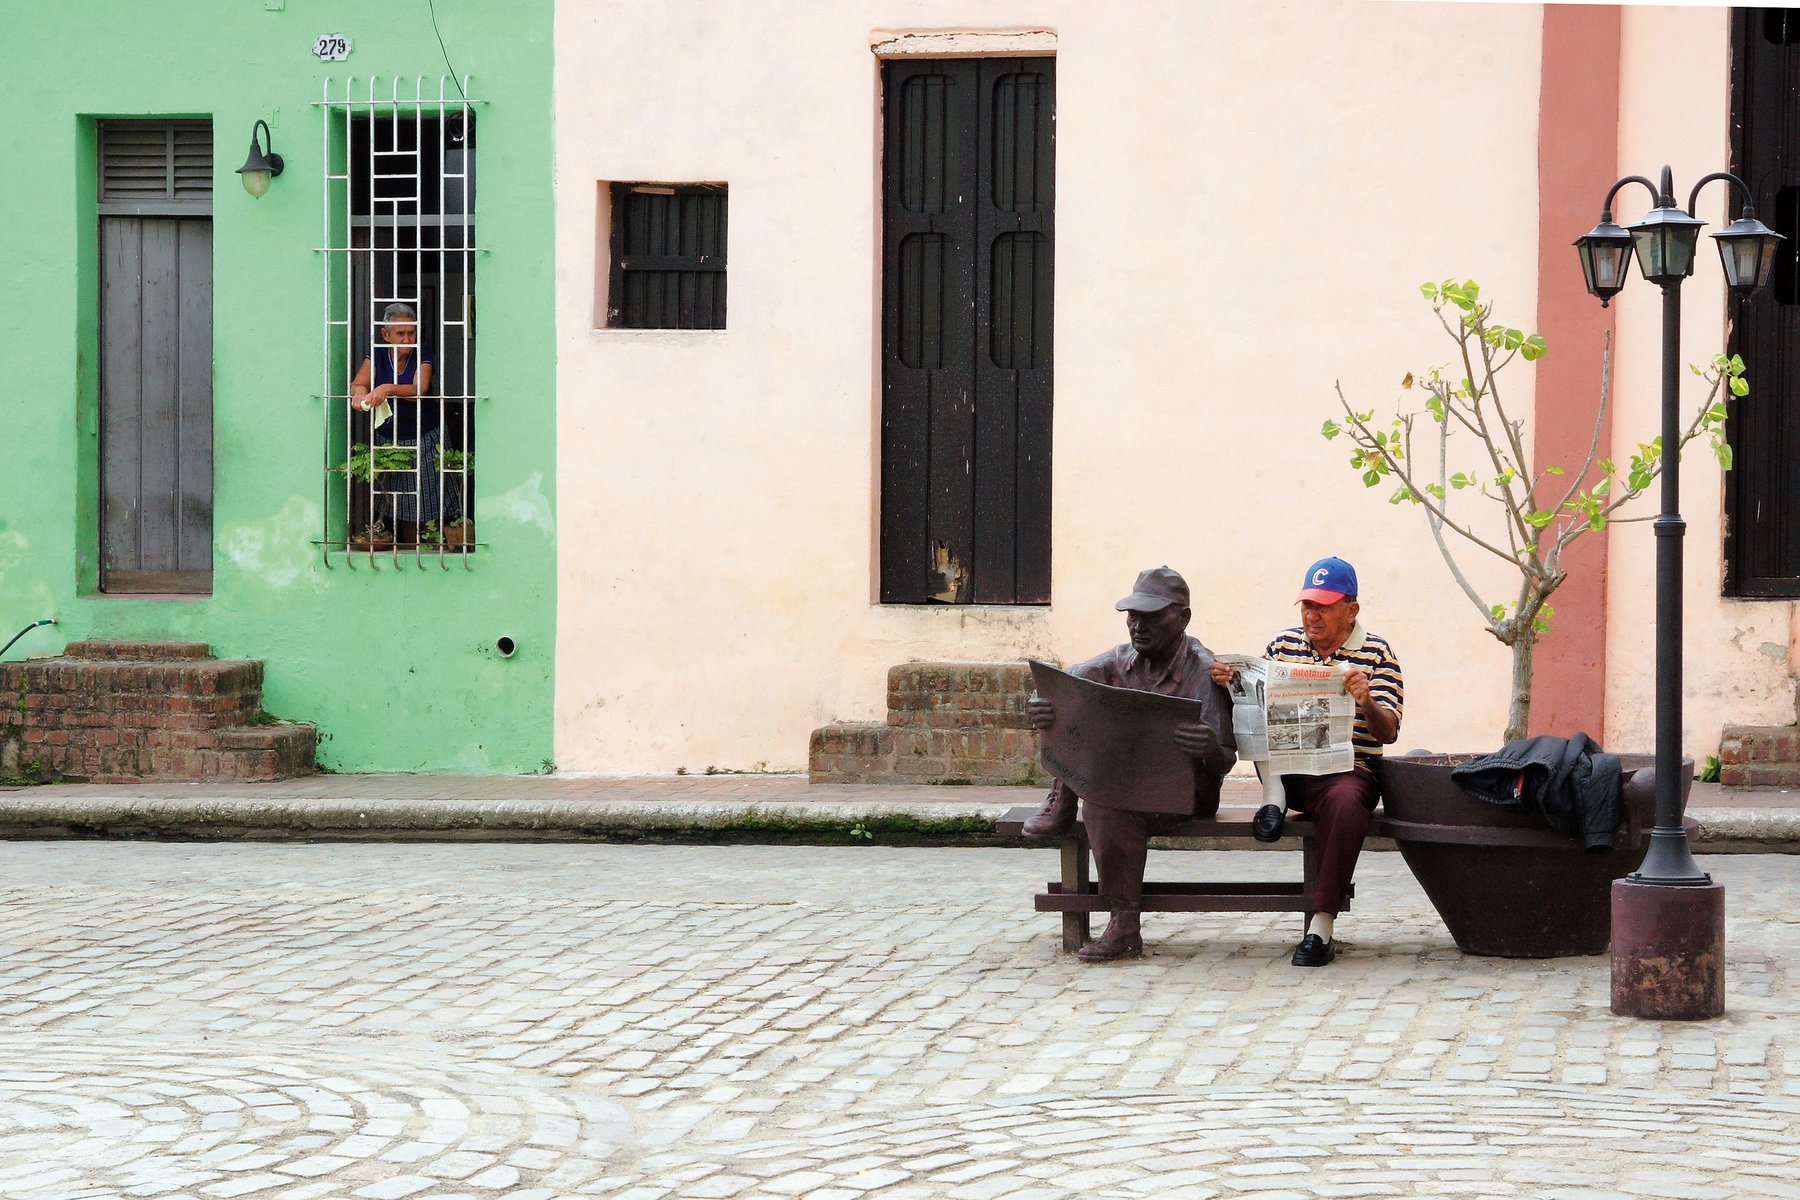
x: 1143, y: 733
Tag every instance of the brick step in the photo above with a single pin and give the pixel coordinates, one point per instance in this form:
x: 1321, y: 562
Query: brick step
x: 1760, y: 775
x: 864, y: 752
x: 1743, y: 744
x: 280, y: 750
x: 850, y: 752
x: 118, y: 711
x: 950, y: 695
x: 119, y: 651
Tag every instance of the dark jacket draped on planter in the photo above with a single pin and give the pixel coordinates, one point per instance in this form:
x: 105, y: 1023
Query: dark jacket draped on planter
x: 1570, y: 782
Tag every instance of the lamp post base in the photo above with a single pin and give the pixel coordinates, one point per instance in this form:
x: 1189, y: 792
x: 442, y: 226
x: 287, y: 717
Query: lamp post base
x: 1668, y: 951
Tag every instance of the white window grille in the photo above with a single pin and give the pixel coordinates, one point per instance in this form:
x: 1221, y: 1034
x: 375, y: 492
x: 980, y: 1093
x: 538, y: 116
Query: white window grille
x: 399, y: 235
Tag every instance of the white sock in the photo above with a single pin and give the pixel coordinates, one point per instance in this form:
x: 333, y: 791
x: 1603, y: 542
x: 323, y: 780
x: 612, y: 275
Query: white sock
x: 1273, y: 792
x: 1322, y: 924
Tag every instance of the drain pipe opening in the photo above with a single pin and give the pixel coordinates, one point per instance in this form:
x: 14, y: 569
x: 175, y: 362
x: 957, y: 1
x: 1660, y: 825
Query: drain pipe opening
x: 505, y: 646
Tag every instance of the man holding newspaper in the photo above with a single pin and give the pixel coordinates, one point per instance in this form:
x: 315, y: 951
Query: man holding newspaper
x: 1298, y: 703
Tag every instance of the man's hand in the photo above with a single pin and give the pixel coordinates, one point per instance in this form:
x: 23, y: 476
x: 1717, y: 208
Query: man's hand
x: 1223, y: 673
x: 1381, y: 720
x: 1197, y: 740
x: 1041, y: 712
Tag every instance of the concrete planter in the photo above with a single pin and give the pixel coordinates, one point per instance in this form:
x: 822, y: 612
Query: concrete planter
x: 1503, y: 883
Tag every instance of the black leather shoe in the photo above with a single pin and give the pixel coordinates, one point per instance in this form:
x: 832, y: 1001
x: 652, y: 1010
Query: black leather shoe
x: 1314, y: 951
x: 1266, y: 825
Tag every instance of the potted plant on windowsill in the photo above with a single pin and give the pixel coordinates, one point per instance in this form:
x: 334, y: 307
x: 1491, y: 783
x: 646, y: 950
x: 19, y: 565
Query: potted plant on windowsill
x: 363, y: 465
x: 1503, y: 883
x: 457, y: 467
x: 459, y: 535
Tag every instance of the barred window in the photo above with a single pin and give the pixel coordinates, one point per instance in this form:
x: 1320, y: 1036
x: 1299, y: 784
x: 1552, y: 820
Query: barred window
x: 668, y: 256
x: 399, y: 387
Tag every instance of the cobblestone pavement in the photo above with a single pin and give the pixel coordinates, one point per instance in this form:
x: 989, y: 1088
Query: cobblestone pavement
x: 531, y: 1021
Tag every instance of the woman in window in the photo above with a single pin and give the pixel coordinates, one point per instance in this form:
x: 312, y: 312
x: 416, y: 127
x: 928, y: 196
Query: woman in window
x: 395, y: 379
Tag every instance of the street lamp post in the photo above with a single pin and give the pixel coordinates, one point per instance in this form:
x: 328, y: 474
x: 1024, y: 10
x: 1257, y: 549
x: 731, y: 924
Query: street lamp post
x: 1669, y: 915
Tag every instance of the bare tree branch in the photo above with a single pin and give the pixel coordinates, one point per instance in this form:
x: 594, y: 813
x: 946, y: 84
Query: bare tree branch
x: 1367, y: 441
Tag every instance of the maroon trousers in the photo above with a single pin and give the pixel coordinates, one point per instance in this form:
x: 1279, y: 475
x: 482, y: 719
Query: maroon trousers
x: 1340, y: 807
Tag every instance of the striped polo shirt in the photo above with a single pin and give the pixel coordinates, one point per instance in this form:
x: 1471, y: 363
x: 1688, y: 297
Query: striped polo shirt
x: 1363, y: 650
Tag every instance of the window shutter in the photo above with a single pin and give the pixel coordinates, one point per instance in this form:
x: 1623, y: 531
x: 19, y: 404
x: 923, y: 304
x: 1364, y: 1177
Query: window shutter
x: 668, y: 256
x: 156, y: 167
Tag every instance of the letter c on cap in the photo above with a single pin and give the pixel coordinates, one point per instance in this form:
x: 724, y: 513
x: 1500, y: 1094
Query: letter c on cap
x: 1319, y: 576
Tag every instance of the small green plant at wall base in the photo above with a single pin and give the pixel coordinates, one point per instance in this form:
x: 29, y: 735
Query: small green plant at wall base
x: 859, y: 830
x: 1711, y: 772
x: 1503, y: 503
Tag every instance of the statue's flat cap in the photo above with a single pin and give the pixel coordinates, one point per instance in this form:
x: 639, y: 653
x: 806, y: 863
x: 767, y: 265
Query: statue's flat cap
x: 1155, y: 590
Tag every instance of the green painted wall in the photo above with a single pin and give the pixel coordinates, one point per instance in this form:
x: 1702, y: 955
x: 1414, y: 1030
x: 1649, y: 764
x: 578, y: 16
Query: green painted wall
x: 397, y: 667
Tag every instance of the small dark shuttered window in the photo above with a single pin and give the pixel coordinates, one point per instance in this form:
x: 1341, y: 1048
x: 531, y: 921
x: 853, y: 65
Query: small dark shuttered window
x: 668, y: 256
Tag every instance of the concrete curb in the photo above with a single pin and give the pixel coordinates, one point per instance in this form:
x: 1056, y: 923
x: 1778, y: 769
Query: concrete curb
x: 37, y: 814
x: 48, y: 812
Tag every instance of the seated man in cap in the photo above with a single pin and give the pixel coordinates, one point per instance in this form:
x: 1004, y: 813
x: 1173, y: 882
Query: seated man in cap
x: 1160, y: 658
x: 1340, y: 805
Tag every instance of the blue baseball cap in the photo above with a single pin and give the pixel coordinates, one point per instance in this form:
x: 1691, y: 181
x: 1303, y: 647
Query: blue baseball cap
x: 1328, y: 581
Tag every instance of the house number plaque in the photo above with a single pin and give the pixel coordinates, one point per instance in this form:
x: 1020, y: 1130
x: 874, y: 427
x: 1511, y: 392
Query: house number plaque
x: 332, y: 47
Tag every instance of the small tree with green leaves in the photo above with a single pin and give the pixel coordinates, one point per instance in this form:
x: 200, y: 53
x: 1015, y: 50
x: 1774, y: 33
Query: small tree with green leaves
x: 1505, y: 504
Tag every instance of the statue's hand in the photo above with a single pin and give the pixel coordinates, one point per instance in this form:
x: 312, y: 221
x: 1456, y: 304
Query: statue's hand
x: 1041, y: 712
x: 1197, y: 740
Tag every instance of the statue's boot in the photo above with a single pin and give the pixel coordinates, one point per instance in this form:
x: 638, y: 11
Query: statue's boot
x: 1121, y: 940
x: 1056, y: 818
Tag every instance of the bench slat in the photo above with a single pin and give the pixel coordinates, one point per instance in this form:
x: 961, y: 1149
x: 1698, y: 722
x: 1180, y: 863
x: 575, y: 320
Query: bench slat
x: 1199, y: 904
x: 1230, y: 822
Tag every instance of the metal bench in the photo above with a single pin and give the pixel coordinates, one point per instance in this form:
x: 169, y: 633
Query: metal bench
x: 1076, y: 895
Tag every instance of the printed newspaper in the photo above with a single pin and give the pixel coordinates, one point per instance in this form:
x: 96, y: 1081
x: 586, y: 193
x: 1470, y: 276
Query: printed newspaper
x: 1296, y: 717
x: 1116, y: 746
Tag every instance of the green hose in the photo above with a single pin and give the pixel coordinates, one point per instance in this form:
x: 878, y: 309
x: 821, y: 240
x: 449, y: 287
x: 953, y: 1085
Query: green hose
x: 23, y: 632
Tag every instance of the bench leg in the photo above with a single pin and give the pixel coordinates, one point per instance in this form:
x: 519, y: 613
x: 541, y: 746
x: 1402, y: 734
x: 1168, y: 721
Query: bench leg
x: 1074, y: 879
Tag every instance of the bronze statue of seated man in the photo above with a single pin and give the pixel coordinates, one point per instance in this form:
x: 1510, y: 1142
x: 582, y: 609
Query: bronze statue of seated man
x: 1160, y: 658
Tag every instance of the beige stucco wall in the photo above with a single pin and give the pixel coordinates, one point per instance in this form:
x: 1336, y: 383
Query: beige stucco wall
x: 717, y: 490
x: 1676, y: 109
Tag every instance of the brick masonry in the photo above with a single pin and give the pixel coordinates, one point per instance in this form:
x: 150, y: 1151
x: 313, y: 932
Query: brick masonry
x: 124, y: 712
x: 1760, y: 756
x: 946, y: 723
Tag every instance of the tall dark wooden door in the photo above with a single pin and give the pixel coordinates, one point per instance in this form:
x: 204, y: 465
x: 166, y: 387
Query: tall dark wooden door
x: 967, y: 272
x: 156, y: 468
x: 1762, y: 491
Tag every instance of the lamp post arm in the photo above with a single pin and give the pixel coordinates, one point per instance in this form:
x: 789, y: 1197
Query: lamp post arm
x: 1606, y: 213
x: 1742, y: 188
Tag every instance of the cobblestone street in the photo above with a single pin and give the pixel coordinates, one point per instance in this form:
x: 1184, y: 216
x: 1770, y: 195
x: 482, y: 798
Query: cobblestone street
x: 530, y: 1021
